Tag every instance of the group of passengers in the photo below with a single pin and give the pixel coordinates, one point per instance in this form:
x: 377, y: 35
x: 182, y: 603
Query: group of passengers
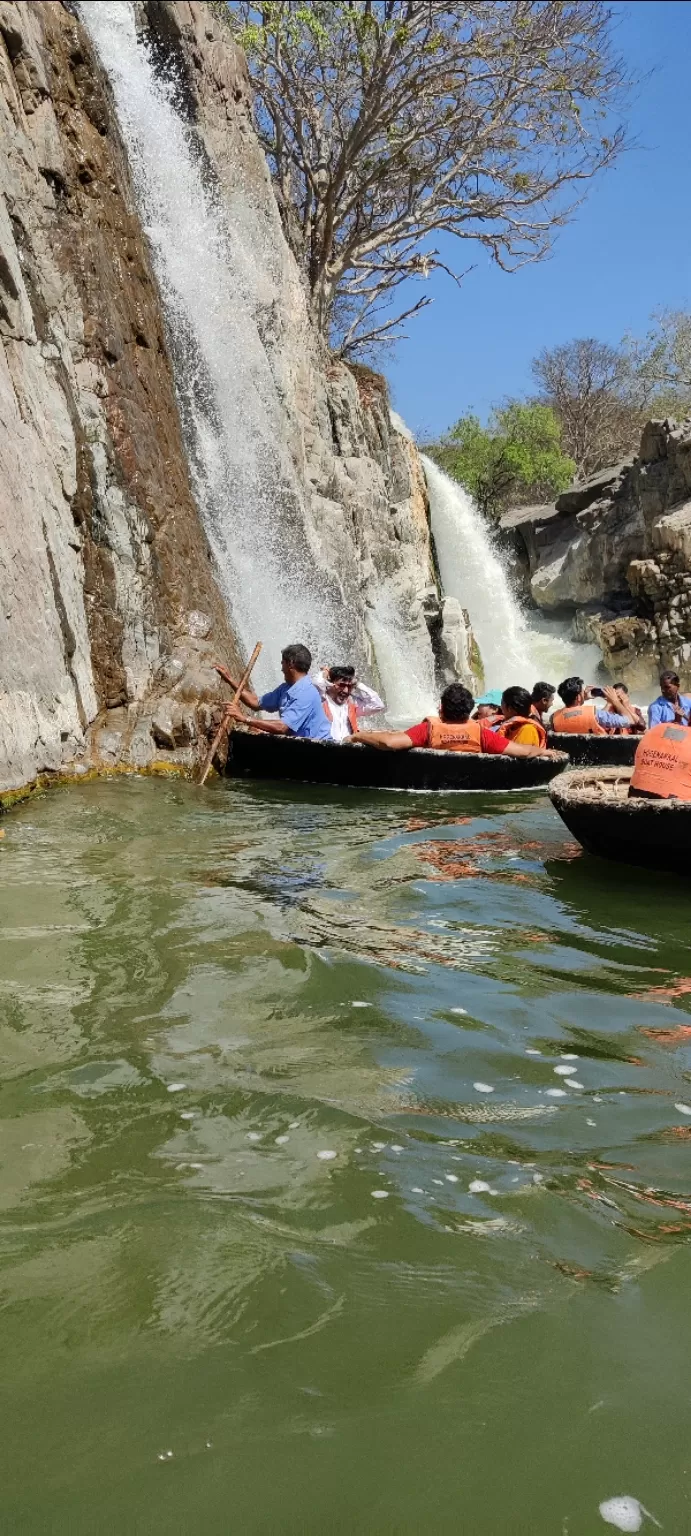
x: 330, y: 707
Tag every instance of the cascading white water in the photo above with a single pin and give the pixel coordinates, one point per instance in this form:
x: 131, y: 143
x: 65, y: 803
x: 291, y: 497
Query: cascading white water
x: 471, y: 570
x: 406, y: 662
x: 243, y: 477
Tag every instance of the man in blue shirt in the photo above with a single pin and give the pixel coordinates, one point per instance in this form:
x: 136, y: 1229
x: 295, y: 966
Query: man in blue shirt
x: 296, y: 701
x: 671, y: 706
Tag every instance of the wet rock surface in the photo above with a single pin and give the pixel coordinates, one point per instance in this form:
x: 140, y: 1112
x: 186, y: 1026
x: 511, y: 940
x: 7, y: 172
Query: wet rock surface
x: 102, y: 553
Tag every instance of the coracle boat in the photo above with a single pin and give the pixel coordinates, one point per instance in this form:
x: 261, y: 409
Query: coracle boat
x: 594, y: 804
x: 256, y: 756
x: 595, y: 751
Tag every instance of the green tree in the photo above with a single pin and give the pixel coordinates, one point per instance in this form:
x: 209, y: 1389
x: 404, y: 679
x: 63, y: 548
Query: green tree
x: 388, y: 122
x: 517, y: 458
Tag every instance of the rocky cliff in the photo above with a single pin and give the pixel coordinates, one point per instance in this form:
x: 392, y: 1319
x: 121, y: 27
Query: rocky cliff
x: 615, y: 555
x: 112, y: 604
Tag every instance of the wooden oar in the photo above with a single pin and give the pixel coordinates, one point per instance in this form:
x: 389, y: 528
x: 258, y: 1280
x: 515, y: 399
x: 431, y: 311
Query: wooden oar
x: 226, y: 723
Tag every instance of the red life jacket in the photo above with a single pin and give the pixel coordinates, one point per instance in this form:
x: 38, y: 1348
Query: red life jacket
x: 577, y: 721
x: 352, y: 713
x: 510, y: 728
x: 663, y: 762
x: 465, y: 736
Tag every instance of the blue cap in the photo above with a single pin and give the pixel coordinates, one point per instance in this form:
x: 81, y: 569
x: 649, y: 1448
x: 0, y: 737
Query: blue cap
x: 493, y: 696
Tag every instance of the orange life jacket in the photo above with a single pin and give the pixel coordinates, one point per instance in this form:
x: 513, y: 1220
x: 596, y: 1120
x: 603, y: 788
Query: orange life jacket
x: 510, y: 728
x: 663, y: 762
x: 352, y: 713
x: 577, y: 721
x: 458, y: 736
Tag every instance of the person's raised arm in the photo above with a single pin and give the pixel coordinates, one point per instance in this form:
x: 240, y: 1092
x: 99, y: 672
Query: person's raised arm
x: 366, y: 701
x: 620, y: 705
x: 248, y: 698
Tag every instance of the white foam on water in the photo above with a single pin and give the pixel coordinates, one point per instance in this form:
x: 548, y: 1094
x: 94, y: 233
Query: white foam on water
x: 626, y: 1513
x: 358, y: 1004
x: 451, y: 1178
x: 684, y: 1109
x: 483, y: 1087
x: 555, y: 1093
x: 513, y: 648
x: 563, y: 1071
x: 281, y: 1141
x: 571, y: 1083
x: 479, y: 1187
x: 326, y: 1156
x: 380, y: 1194
x: 176, y: 1087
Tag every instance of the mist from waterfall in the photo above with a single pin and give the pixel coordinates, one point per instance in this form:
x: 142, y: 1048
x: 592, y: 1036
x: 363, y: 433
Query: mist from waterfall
x: 471, y: 570
x: 208, y: 271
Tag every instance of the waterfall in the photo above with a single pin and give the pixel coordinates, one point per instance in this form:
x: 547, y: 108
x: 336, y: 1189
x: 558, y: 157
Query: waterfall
x: 405, y: 659
x: 471, y: 570
x: 209, y: 275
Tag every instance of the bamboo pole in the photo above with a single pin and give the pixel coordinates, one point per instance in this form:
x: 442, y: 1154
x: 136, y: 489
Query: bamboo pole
x: 226, y: 724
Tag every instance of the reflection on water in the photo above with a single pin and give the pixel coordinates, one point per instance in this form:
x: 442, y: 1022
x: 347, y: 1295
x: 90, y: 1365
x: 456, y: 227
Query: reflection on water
x: 344, y: 1155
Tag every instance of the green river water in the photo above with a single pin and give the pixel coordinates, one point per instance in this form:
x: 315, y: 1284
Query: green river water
x: 208, y: 1327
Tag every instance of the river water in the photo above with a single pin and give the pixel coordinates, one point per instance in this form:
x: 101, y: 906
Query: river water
x: 475, y: 1315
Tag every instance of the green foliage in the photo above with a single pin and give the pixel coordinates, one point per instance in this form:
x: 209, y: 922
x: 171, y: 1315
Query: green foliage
x: 516, y: 458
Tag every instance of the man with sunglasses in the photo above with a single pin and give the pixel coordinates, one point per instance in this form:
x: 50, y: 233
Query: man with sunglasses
x: 346, y: 700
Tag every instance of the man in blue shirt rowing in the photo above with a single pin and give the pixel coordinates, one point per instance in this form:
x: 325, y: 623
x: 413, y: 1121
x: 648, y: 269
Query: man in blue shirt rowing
x: 672, y: 707
x: 296, y: 701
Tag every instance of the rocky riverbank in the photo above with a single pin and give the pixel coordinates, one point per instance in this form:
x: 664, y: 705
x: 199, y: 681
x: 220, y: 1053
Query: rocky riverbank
x: 614, y: 555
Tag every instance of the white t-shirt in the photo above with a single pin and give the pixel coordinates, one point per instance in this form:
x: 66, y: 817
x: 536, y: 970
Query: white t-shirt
x: 366, y: 702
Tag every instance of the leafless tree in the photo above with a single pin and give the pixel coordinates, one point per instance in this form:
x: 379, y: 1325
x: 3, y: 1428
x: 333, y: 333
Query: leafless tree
x: 588, y: 384
x: 661, y: 361
x: 390, y: 122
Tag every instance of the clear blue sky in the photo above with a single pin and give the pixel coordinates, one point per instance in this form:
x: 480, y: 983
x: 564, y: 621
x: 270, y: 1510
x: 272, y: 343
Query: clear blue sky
x: 627, y: 252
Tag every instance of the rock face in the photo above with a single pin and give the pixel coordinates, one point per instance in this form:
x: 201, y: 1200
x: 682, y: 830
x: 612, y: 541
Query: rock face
x: 102, y: 554
x: 110, y: 603
x: 615, y: 553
